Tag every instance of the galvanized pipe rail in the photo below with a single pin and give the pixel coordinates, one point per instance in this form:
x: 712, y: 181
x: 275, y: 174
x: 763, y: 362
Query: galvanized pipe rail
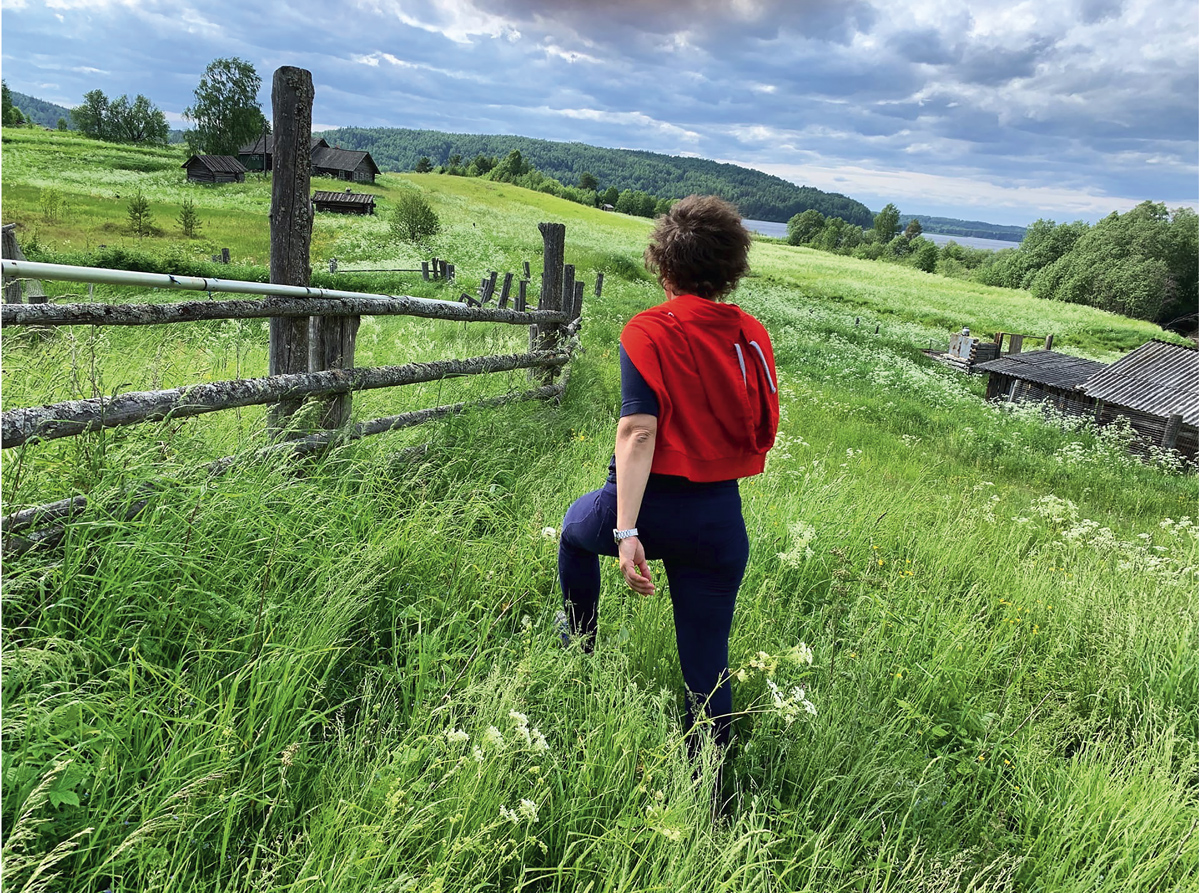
x: 279, y: 300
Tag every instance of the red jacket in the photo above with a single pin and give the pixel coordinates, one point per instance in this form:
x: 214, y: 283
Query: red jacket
x: 713, y: 370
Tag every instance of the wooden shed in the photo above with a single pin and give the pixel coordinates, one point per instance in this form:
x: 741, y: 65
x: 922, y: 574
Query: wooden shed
x: 1041, y: 376
x: 344, y: 202
x: 214, y: 169
x: 344, y: 164
x: 1155, y: 387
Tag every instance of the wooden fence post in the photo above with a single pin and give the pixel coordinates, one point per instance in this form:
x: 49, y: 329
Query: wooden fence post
x: 568, y: 290
x: 291, y: 222
x: 599, y: 283
x: 526, y: 268
x: 522, y: 287
x: 577, y: 304
x: 449, y: 272
x: 425, y: 270
x: 1171, y: 432
x: 1049, y: 342
x: 505, y: 289
x: 551, y: 297
x: 1015, y: 342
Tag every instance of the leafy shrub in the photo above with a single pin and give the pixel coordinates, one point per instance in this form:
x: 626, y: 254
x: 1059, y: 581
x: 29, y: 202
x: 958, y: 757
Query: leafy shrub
x: 413, y: 220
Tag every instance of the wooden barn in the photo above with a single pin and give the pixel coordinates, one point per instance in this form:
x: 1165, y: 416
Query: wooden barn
x: 214, y: 169
x: 1041, y: 376
x: 1154, y: 387
x: 344, y: 202
x: 344, y: 164
x: 258, y: 155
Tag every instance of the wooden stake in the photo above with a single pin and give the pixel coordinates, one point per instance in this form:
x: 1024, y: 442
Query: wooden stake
x: 291, y: 221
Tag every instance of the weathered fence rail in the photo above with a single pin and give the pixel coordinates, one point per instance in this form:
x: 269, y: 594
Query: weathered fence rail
x: 74, y: 417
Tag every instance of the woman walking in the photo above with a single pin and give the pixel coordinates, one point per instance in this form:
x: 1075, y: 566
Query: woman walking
x: 699, y: 410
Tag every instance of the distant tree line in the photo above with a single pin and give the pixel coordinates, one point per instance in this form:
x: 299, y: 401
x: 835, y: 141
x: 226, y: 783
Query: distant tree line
x: 758, y: 195
x: 515, y: 169
x: 1141, y: 264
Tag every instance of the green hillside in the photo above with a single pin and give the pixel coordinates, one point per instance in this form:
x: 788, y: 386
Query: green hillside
x: 758, y: 195
x: 41, y: 112
x: 342, y: 674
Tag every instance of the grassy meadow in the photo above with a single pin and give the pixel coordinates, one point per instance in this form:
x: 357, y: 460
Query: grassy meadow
x: 341, y: 674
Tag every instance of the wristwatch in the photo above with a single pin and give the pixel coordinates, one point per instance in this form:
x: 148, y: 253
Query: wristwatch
x: 619, y: 535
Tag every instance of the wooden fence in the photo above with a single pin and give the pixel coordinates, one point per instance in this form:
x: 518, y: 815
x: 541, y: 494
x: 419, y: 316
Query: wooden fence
x: 312, y: 333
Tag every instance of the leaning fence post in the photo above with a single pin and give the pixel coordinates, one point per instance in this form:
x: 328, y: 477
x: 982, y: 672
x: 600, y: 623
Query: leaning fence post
x: 1171, y: 432
x: 599, y: 283
x: 551, y: 297
x: 291, y: 222
x: 577, y: 304
x: 505, y: 289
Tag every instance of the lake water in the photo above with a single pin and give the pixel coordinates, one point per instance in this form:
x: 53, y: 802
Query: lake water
x: 779, y: 231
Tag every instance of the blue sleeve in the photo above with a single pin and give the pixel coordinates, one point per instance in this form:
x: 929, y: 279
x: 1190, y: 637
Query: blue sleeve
x: 636, y: 396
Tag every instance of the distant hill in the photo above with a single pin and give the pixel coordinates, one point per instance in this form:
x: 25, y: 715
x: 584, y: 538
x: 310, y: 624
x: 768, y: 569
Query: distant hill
x: 949, y: 226
x: 758, y: 195
x: 41, y: 112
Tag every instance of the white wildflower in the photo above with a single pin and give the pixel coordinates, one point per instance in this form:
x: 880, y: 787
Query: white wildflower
x: 457, y: 736
x: 528, y: 810
x: 492, y: 737
x: 550, y: 533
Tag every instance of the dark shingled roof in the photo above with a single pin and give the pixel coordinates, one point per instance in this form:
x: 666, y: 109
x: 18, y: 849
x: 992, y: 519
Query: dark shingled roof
x: 349, y: 198
x: 341, y: 159
x: 218, y: 164
x: 1158, y: 378
x: 1058, y: 370
x: 256, y: 147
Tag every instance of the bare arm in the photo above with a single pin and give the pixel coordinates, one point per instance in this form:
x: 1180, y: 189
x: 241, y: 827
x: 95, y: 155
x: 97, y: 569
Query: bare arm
x: 635, y: 454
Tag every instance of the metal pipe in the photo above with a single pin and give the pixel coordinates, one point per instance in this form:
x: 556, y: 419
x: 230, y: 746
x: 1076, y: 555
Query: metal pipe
x: 26, y: 269
x: 292, y: 301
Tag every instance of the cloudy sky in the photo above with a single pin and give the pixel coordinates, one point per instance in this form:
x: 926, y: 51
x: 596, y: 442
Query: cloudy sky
x: 996, y: 110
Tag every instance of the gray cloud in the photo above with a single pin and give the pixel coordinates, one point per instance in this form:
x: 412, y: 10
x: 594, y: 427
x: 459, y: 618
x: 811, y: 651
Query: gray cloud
x: 1096, y: 97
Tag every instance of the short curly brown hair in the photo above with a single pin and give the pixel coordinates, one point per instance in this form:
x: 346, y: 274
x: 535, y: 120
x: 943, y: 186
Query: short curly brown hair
x: 700, y: 247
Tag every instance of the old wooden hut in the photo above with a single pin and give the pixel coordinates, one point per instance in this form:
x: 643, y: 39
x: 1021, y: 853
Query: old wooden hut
x: 344, y: 164
x: 258, y: 155
x: 1155, y: 387
x: 344, y: 202
x: 214, y: 169
x: 1041, y: 376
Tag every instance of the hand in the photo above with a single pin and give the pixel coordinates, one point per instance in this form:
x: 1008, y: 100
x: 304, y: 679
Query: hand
x: 632, y: 557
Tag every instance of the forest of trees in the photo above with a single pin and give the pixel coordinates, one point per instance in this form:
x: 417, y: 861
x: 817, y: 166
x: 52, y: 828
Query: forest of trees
x: 976, y: 229
x: 758, y: 195
x: 37, y: 111
x: 1142, y: 263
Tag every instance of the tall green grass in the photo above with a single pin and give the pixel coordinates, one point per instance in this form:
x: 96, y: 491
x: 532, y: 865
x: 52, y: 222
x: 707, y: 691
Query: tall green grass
x: 342, y: 673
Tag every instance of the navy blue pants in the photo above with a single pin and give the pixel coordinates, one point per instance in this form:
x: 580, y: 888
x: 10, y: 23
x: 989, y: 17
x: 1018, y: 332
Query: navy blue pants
x: 699, y: 535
